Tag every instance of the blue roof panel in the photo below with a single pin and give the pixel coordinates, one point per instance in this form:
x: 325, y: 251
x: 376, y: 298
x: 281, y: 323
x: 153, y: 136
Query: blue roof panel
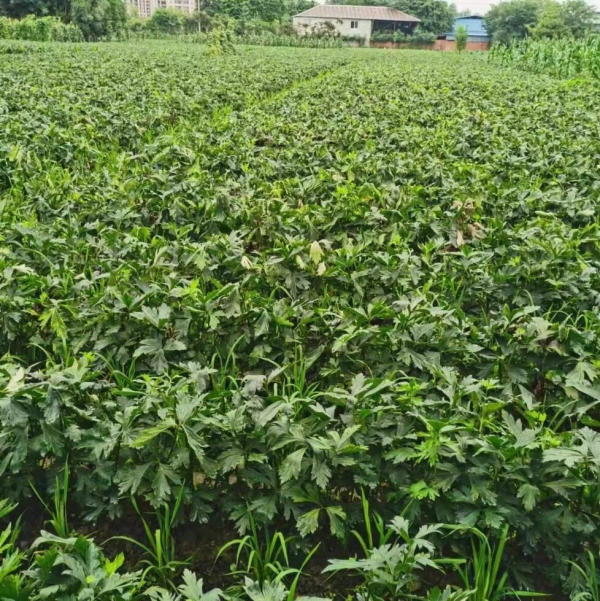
x: 474, y: 26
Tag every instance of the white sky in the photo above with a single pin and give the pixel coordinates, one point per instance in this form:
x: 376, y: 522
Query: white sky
x: 482, y: 6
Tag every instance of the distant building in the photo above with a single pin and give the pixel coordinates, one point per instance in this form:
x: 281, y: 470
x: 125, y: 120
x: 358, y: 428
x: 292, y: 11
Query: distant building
x: 146, y: 8
x: 359, y: 21
x: 475, y: 28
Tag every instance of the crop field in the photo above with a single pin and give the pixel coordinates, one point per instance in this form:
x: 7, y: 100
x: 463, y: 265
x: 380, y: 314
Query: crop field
x: 301, y: 295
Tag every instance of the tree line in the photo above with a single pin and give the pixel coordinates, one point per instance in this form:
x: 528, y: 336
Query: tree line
x: 506, y: 21
x: 512, y: 20
x: 99, y: 19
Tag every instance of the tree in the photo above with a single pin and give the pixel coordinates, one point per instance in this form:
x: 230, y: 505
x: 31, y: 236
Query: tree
x: 579, y: 16
x: 550, y: 23
x: 512, y: 19
x: 99, y: 19
x: 461, y: 35
x: 95, y: 18
x: 17, y: 9
x: 294, y: 7
x: 264, y: 10
x: 516, y: 19
x: 167, y: 20
x: 437, y: 16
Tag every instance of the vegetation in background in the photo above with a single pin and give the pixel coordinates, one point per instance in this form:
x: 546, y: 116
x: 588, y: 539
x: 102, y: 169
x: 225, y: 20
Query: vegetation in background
x: 99, y: 19
x: 418, y: 38
x: 461, y: 36
x: 42, y: 29
x: 107, y: 19
x: 564, y: 57
x: 167, y: 20
x: 513, y: 20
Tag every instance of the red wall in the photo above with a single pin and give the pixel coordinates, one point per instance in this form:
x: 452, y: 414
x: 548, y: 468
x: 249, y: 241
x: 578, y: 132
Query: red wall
x: 437, y: 45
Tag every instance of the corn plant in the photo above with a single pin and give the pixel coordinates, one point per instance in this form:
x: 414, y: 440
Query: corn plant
x: 564, y: 57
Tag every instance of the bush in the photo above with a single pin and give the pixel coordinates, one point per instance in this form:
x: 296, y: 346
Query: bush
x: 418, y: 38
x: 39, y: 29
x: 461, y: 36
x: 167, y: 20
x: 293, y: 41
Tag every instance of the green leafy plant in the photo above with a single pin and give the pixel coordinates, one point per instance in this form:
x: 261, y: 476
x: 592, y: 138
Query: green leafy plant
x: 192, y: 589
x: 272, y: 591
x: 75, y: 568
x: 221, y: 41
x: 12, y: 585
x: 265, y: 558
x: 461, y: 35
x: 448, y: 594
x: 275, y: 278
x: 390, y: 570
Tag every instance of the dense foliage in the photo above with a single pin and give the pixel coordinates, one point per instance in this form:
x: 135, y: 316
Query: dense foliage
x: 106, y: 19
x: 259, y: 284
x: 461, y: 35
x: 560, y: 58
x: 513, y: 20
x: 416, y: 39
x: 263, y: 10
x: 42, y: 29
x: 94, y: 19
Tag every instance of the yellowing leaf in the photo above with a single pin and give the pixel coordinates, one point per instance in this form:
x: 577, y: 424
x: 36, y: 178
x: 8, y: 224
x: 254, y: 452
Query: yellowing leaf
x: 316, y: 252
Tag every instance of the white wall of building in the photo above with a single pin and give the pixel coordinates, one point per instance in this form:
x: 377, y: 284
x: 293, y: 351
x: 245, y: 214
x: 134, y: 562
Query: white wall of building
x: 343, y: 26
x: 146, y: 8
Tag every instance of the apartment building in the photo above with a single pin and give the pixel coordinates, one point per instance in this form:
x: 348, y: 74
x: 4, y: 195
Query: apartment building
x: 146, y: 8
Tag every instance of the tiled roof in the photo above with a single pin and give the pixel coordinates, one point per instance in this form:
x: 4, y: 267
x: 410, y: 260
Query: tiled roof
x: 369, y: 13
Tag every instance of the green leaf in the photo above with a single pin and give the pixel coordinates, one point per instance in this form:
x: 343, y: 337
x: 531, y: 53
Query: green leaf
x: 291, y: 466
x: 150, y: 433
x: 529, y: 494
x: 308, y: 523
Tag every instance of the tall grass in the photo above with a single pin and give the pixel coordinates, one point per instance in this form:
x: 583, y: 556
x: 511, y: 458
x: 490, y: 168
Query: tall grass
x: 560, y: 58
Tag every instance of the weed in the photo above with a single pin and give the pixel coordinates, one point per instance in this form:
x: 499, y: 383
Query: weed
x: 162, y: 564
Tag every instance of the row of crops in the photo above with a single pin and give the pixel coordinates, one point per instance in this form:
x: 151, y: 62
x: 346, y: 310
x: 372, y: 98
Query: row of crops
x: 344, y: 303
x: 564, y: 58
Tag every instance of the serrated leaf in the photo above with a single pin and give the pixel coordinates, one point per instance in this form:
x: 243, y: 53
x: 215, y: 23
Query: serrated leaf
x: 570, y: 457
x: 231, y: 459
x: 150, y: 433
x: 308, y: 523
x: 529, y: 494
x: 291, y: 466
